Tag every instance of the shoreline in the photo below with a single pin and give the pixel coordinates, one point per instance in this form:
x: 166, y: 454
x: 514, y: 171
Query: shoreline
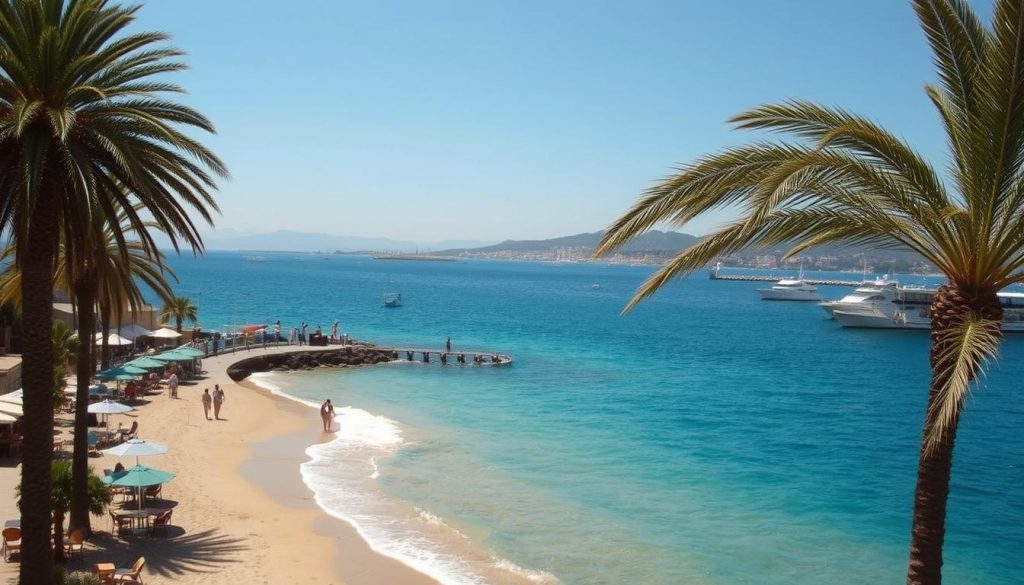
x: 242, y: 512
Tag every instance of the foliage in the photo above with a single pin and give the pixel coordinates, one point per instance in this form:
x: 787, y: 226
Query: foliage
x: 65, y: 350
x: 841, y: 178
x: 79, y: 578
x: 100, y: 496
x: 179, y: 309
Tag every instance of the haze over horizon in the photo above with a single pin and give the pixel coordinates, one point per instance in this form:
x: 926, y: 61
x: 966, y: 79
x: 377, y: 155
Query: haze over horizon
x: 491, y: 121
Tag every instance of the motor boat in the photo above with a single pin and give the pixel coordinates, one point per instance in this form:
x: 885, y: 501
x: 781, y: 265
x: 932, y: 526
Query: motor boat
x: 879, y: 292
x: 790, y: 289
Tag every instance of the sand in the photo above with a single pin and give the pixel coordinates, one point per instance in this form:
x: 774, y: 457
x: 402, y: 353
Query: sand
x: 241, y: 511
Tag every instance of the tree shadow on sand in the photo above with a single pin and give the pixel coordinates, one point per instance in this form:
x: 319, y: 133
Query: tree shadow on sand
x: 171, y: 552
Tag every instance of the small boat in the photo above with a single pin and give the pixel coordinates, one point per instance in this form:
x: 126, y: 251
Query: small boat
x: 393, y: 299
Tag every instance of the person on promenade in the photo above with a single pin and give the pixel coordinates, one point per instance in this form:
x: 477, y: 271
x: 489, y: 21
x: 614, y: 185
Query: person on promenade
x: 172, y: 385
x: 448, y: 345
x: 334, y: 330
x: 302, y: 336
x: 277, y: 332
x: 327, y: 415
x: 207, y: 400
x: 218, y: 400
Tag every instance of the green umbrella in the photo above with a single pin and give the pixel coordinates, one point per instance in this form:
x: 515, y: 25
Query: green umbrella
x: 125, y: 372
x: 139, y: 477
x: 146, y: 363
x: 173, y: 356
x: 189, y: 351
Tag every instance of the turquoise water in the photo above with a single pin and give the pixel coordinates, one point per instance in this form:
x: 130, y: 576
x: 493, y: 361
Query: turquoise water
x: 706, y: 437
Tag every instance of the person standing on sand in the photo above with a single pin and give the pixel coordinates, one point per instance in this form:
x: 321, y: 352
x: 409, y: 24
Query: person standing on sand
x: 207, y: 400
x: 218, y: 400
x: 327, y: 414
x: 172, y: 385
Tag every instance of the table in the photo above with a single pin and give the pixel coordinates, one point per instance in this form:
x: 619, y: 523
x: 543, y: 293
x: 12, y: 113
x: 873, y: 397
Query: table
x: 105, y: 572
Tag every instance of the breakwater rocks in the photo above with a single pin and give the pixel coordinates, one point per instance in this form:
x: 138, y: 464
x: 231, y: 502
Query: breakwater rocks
x: 349, y: 355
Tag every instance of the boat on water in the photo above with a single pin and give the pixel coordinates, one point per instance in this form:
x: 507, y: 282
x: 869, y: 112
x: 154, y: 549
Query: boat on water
x: 871, y: 292
x: 393, y: 299
x: 906, y: 307
x: 790, y: 289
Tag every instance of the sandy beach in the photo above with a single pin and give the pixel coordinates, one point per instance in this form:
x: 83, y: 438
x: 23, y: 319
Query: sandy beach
x: 241, y: 511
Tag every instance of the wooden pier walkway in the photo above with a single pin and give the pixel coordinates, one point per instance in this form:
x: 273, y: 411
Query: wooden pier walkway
x: 426, y: 355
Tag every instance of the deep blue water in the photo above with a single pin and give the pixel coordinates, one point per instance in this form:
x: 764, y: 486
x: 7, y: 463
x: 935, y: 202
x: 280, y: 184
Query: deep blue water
x: 705, y: 437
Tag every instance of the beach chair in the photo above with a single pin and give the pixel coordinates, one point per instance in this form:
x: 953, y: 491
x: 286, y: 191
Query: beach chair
x: 163, y: 519
x: 153, y: 492
x: 93, y: 442
x: 119, y: 523
x: 132, y: 575
x: 12, y: 542
x: 130, y: 433
x: 75, y: 542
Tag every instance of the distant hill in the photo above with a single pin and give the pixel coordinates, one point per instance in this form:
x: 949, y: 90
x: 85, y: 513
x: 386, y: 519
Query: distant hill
x: 649, y: 242
x: 294, y: 241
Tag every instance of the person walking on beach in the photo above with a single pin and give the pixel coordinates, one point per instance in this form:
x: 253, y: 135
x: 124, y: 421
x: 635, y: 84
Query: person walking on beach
x: 448, y: 345
x: 327, y: 414
x: 172, y: 385
x: 207, y: 400
x: 218, y: 400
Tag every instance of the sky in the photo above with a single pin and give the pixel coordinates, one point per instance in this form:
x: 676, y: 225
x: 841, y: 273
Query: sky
x: 495, y: 120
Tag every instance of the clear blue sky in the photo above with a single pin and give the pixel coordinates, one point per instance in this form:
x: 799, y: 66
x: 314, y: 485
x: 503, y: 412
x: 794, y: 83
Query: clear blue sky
x: 528, y: 119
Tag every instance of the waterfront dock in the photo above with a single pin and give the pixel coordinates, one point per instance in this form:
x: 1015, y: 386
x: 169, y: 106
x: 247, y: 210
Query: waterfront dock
x: 716, y: 274
x: 406, y: 354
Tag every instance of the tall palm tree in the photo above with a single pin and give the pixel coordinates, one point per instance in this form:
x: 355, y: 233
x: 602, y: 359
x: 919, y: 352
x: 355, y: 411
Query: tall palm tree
x: 842, y: 178
x: 83, y: 114
x: 180, y: 309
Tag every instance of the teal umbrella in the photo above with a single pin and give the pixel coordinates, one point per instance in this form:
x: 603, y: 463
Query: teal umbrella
x: 125, y: 372
x: 146, y: 363
x: 173, y: 356
x: 139, y: 477
x: 189, y: 351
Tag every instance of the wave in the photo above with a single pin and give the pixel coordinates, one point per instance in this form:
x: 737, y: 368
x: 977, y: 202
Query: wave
x: 344, y: 476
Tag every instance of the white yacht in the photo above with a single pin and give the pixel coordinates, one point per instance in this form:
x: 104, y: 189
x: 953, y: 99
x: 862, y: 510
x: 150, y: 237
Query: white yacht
x: 907, y: 308
x: 790, y: 289
x: 880, y: 291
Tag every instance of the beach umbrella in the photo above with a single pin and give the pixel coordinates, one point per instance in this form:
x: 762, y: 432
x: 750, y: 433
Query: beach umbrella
x: 109, y: 407
x: 146, y: 363
x: 165, y: 333
x: 11, y: 409
x: 173, y: 356
x: 13, y: 397
x: 106, y: 407
x: 189, y: 351
x: 138, y: 477
x: 125, y: 372
x: 6, y: 419
x: 132, y: 331
x: 112, y: 339
x: 138, y: 448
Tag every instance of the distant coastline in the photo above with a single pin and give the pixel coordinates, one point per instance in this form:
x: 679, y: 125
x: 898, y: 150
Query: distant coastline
x: 416, y: 257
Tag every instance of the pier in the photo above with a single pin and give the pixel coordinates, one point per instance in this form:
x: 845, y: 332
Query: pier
x: 426, y: 356
x: 715, y: 274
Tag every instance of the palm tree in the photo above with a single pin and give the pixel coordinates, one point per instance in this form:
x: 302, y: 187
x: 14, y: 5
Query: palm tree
x: 842, y: 178
x: 66, y: 349
x: 85, y: 131
x: 60, y: 500
x: 180, y: 309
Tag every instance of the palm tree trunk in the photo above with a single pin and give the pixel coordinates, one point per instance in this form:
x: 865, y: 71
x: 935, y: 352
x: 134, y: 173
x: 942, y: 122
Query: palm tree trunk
x: 935, y: 463
x: 37, y: 265
x: 85, y: 293
x: 105, y: 326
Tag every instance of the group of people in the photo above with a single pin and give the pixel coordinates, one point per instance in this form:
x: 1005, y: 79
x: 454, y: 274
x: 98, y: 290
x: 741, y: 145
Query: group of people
x: 216, y: 400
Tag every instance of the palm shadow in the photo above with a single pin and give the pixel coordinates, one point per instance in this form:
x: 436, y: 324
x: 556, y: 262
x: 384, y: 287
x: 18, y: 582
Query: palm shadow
x: 170, y: 551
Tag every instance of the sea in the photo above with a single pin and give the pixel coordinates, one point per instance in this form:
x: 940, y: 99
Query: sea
x: 707, y: 437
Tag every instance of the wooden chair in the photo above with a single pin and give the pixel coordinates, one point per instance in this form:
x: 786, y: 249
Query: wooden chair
x: 162, y: 519
x: 152, y: 492
x: 12, y: 542
x: 119, y: 523
x: 132, y: 575
x: 75, y: 542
